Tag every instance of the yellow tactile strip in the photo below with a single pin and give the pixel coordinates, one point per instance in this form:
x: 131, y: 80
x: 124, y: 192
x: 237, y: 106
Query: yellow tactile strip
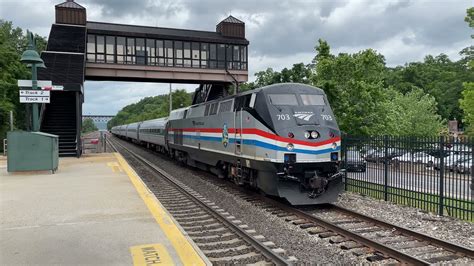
x: 186, y: 252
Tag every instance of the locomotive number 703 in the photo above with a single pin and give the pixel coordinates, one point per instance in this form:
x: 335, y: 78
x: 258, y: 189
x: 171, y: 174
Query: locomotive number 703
x: 283, y: 117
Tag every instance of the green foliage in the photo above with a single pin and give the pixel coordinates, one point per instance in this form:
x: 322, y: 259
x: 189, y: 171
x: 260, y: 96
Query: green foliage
x: 437, y: 76
x: 13, y: 42
x: 150, y: 108
x: 354, y: 86
x: 299, y: 73
x: 88, y: 126
x: 467, y: 105
x: 411, y: 114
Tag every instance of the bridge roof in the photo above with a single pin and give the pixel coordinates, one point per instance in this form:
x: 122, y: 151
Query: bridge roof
x: 161, y: 33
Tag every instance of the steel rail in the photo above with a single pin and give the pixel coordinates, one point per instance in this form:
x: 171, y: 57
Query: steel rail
x: 387, y: 251
x: 407, y: 232
x: 266, y: 251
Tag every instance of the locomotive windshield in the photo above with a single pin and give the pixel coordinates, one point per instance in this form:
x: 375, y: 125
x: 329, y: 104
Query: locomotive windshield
x: 291, y: 99
x: 283, y: 99
x: 312, y: 99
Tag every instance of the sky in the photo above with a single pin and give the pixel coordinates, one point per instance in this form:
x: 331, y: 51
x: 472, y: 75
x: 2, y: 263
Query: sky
x: 281, y: 32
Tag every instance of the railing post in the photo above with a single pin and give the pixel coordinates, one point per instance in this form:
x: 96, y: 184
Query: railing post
x: 385, y: 168
x: 344, y: 153
x: 441, y: 176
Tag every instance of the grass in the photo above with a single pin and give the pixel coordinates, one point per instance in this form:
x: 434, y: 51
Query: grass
x: 461, y: 209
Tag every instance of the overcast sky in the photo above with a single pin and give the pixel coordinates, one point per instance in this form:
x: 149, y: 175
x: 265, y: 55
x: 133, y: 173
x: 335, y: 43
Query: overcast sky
x: 280, y: 32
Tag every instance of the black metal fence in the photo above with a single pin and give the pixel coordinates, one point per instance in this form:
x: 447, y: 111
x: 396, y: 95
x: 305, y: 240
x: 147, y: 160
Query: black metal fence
x: 433, y: 174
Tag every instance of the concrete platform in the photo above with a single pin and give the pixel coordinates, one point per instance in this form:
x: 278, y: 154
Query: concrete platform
x: 95, y: 210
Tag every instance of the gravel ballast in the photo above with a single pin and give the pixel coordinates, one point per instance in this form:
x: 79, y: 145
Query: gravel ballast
x: 445, y: 228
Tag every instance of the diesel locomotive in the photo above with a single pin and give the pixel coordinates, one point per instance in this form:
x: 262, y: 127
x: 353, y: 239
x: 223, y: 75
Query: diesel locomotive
x: 282, y: 139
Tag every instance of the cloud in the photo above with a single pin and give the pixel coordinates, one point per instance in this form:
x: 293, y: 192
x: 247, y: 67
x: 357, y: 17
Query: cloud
x: 281, y: 33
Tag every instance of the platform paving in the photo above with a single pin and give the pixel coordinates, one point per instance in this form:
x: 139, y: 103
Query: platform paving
x: 91, y: 211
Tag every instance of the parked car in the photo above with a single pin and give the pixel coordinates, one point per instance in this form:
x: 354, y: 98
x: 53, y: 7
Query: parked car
x: 381, y: 155
x: 465, y: 167
x: 451, y: 161
x: 417, y: 157
x: 355, y: 162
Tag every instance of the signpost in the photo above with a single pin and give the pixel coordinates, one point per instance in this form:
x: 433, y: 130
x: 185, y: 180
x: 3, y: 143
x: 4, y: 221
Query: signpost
x: 30, y: 151
x: 29, y: 83
x: 34, y: 96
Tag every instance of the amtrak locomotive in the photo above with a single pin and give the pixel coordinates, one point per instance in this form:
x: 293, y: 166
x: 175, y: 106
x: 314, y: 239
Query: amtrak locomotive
x: 282, y: 139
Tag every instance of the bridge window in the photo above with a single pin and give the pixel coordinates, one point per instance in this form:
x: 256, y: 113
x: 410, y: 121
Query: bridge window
x: 100, y: 49
x: 110, y: 49
x: 187, y: 54
x: 121, y: 50
x: 130, y: 51
x: 160, y: 52
x: 178, y: 53
x: 150, y: 51
x: 140, y: 51
x: 91, y: 48
x: 195, y: 54
x: 204, y: 55
x: 221, y: 56
x: 212, y: 55
x: 169, y: 53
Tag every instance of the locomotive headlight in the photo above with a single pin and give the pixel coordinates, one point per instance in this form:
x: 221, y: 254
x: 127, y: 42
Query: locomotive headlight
x: 314, y: 134
x: 307, y: 134
x: 334, y: 146
x: 290, y: 146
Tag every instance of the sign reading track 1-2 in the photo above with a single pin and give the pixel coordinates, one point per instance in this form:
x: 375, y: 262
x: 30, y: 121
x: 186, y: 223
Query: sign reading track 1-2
x: 34, y: 96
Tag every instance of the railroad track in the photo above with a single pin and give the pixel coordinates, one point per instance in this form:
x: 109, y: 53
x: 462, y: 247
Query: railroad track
x: 377, y: 240
x: 220, y: 236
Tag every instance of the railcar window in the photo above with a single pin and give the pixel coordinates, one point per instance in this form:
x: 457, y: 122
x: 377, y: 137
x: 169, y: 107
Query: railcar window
x: 312, y: 99
x: 283, y: 99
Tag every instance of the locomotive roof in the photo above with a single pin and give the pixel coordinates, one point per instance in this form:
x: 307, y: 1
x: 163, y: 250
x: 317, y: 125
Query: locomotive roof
x: 279, y: 88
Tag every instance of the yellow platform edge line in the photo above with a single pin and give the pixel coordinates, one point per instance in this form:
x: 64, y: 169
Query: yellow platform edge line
x: 186, y: 252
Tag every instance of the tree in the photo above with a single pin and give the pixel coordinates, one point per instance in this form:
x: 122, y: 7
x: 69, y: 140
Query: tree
x: 88, y: 126
x: 150, y: 108
x: 354, y: 86
x: 467, y: 105
x: 12, y: 44
x: 411, y: 114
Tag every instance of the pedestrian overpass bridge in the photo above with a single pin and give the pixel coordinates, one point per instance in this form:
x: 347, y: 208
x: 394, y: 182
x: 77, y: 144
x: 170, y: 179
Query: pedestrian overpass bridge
x: 80, y: 50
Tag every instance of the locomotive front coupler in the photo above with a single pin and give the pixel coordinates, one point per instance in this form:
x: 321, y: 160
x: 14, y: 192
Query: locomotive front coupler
x: 289, y: 161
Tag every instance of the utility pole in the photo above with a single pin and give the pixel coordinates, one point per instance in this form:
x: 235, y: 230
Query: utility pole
x: 171, y: 99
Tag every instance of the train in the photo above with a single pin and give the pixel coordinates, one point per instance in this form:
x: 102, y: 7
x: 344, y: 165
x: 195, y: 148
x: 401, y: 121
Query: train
x: 281, y: 139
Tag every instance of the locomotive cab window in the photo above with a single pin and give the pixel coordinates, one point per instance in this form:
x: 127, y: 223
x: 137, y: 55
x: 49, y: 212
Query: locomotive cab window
x: 312, y: 99
x: 283, y: 99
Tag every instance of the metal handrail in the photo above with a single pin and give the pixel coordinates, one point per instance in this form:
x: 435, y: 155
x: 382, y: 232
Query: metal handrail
x: 4, y: 147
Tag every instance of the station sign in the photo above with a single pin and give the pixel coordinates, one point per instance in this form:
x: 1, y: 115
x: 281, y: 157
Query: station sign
x: 28, y: 83
x: 34, y: 96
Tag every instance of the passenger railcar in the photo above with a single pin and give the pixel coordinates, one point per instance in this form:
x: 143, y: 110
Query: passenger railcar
x: 282, y: 139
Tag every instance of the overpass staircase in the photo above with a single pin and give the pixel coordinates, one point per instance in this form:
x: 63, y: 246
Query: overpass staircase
x: 59, y: 118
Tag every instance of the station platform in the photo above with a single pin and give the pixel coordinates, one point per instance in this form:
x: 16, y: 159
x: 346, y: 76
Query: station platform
x: 94, y: 210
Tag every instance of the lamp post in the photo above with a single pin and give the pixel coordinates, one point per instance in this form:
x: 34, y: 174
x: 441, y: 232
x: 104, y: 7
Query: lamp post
x: 32, y: 58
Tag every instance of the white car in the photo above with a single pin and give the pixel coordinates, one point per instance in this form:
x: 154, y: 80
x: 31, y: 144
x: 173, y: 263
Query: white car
x: 465, y: 167
x: 417, y: 157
